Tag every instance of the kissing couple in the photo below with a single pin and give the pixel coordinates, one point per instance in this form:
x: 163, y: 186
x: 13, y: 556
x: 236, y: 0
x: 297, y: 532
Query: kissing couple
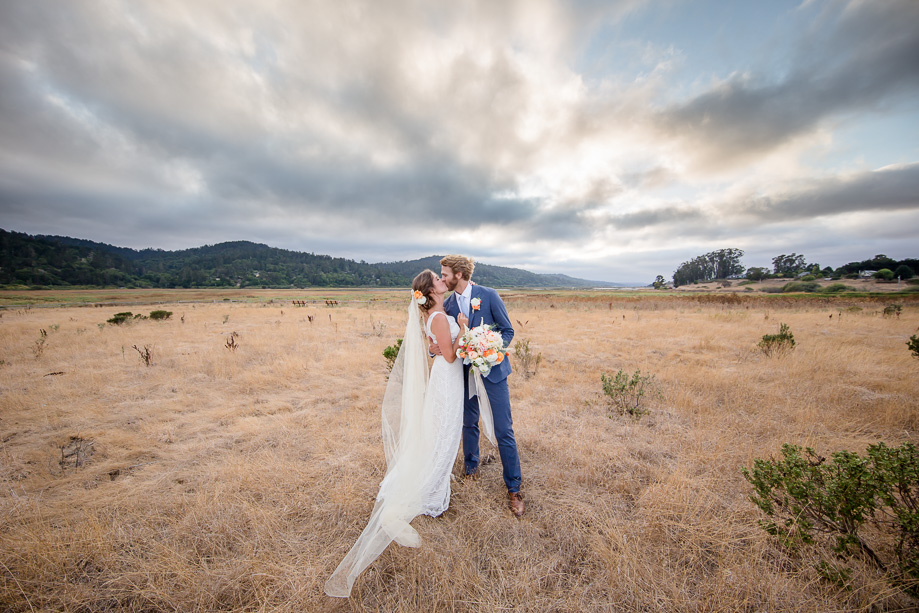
x: 426, y: 413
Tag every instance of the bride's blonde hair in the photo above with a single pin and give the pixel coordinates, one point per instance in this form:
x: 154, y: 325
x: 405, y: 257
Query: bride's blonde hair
x: 424, y: 283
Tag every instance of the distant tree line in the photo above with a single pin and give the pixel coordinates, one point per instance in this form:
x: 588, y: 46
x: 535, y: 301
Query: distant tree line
x: 725, y: 264
x: 795, y: 265
x: 59, y: 261
x: 905, y: 269
x: 62, y: 261
x: 720, y: 264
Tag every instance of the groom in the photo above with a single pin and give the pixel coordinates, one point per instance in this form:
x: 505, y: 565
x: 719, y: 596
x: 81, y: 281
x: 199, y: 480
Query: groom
x: 482, y: 305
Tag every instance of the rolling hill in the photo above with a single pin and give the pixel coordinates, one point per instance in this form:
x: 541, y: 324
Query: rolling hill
x: 61, y: 261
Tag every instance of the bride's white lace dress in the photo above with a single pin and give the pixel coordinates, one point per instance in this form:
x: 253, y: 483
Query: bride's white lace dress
x: 443, y: 403
x: 417, y: 480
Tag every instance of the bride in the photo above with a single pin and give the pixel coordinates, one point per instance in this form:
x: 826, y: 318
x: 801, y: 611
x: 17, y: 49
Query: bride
x: 422, y: 423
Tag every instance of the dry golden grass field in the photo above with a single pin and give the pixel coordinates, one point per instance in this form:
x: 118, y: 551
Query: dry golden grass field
x: 235, y: 480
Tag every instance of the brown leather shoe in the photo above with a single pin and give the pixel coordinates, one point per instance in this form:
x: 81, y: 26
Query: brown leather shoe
x: 515, y: 503
x: 473, y: 476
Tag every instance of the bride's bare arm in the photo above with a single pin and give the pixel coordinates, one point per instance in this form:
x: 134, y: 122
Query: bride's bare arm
x: 441, y: 329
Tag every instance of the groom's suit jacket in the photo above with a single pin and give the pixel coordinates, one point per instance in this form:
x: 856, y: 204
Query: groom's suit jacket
x: 493, y: 312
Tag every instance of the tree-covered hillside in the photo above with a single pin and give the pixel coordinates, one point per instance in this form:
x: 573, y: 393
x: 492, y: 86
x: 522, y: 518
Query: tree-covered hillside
x: 59, y: 261
x: 495, y: 276
x: 725, y: 264
x: 63, y: 261
x: 38, y: 261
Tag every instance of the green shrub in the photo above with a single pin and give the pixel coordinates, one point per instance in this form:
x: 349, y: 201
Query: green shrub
x: 903, y: 272
x: 801, y: 286
x: 884, y: 274
x: 868, y: 505
x: 120, y: 318
x: 893, y: 309
x: 771, y: 290
x: 627, y: 394
x: 807, y: 278
x: 777, y: 344
x: 835, y: 288
x: 391, y: 353
x: 526, y: 358
x: 913, y: 345
x: 160, y: 314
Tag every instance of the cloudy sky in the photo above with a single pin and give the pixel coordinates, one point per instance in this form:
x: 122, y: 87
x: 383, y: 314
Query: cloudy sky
x: 609, y: 140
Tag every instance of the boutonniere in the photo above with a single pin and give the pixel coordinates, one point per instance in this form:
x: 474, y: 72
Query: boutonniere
x: 474, y: 303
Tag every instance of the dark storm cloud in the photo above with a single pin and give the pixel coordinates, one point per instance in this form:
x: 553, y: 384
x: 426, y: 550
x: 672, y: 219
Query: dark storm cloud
x: 860, y: 57
x: 651, y: 218
x: 891, y: 189
x: 887, y: 190
x: 163, y: 93
x: 167, y: 95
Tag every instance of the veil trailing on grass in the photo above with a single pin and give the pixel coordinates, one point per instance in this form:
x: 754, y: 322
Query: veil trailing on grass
x: 408, y: 453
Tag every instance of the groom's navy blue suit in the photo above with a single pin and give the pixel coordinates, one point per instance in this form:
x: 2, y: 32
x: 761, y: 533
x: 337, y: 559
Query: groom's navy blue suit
x: 491, y: 311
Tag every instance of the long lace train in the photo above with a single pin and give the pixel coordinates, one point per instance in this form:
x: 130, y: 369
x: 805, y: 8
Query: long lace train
x: 422, y: 423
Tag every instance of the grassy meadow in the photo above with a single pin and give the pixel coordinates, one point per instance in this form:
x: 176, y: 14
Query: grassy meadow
x: 221, y: 479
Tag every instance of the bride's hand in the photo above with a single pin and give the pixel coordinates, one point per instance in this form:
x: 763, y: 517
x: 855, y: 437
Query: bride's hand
x: 462, y: 320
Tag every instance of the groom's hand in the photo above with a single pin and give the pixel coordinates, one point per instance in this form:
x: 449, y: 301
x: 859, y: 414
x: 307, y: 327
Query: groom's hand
x: 434, y: 349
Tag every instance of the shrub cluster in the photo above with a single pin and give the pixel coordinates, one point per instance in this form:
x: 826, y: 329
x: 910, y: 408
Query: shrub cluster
x: 835, y: 288
x: 527, y: 358
x: 801, y: 286
x: 868, y: 505
x: 628, y: 394
x: 778, y: 344
x: 884, y: 274
x: 391, y: 353
x: 120, y: 318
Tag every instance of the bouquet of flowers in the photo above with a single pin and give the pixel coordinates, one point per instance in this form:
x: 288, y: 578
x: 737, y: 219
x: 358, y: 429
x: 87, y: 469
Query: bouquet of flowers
x: 482, y: 347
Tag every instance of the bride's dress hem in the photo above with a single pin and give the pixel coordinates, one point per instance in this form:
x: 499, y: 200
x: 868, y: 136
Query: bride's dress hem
x: 417, y: 480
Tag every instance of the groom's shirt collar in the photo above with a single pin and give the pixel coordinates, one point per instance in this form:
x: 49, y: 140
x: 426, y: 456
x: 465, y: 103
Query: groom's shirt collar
x: 463, y: 299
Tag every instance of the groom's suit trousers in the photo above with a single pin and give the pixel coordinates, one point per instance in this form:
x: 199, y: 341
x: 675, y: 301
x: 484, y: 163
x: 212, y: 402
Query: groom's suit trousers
x: 500, y: 401
x: 490, y: 310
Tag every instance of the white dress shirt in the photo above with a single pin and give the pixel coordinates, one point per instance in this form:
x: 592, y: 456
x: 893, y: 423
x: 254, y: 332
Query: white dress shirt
x: 463, y: 300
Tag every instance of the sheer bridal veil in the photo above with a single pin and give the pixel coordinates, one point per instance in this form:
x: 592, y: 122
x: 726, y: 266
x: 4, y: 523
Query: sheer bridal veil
x: 408, y: 452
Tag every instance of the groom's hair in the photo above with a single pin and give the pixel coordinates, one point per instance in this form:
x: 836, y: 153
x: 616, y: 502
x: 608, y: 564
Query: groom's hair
x: 459, y: 264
